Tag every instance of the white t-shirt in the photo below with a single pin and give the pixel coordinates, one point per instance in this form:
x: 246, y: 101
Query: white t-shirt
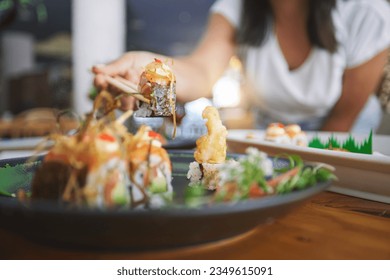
x: 362, y: 30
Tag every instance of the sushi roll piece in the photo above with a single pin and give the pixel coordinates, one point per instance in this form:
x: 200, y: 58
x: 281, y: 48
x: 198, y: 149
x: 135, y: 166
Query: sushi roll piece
x: 297, y: 136
x: 150, y: 170
x: 276, y: 132
x: 87, y: 169
x: 210, y: 153
x: 206, y: 174
x: 158, y: 84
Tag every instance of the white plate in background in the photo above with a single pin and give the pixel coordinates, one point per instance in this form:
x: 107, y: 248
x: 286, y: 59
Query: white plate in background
x: 360, y: 175
x: 19, y: 147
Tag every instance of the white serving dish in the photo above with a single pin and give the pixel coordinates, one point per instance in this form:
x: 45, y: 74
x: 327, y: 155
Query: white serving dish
x: 360, y: 175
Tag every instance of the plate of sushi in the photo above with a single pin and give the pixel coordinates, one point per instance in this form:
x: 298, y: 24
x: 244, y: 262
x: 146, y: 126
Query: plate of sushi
x: 362, y: 162
x: 106, y: 188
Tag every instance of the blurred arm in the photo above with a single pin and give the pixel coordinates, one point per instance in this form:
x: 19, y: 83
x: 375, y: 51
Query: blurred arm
x: 195, y: 73
x: 358, y: 84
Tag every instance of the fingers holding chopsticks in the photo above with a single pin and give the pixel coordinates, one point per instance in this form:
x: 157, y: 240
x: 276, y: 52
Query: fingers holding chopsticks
x: 101, y: 71
x: 119, y: 81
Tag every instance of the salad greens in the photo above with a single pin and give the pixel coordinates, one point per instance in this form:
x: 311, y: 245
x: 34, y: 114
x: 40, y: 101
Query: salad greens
x: 255, y: 175
x: 305, y: 177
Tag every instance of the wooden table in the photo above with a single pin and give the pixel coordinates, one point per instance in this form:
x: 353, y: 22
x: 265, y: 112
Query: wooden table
x: 329, y: 226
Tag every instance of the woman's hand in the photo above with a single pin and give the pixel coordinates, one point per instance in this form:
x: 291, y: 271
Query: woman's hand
x: 128, y: 66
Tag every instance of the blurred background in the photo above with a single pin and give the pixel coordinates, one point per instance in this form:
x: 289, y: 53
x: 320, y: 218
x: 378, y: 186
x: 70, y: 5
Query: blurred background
x: 48, y: 46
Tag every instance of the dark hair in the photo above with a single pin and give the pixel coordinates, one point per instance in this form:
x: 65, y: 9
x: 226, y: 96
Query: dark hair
x: 257, y: 16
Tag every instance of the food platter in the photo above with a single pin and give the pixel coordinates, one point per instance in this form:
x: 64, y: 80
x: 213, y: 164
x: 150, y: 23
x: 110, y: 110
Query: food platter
x: 175, y: 226
x: 361, y: 175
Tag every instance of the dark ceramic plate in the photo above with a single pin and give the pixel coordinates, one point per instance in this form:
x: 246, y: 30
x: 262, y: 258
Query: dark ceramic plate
x: 180, y: 143
x: 137, y: 230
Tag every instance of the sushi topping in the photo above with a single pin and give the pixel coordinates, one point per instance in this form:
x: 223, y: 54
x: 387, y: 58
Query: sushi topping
x: 107, y: 137
x: 289, y: 134
x: 158, y: 84
x: 210, y: 151
x: 211, y: 148
x: 157, y: 136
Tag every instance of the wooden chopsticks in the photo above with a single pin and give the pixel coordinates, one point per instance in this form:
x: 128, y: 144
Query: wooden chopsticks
x: 127, y: 87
